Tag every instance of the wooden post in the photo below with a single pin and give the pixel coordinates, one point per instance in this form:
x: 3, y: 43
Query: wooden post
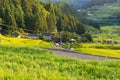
x: 0, y: 36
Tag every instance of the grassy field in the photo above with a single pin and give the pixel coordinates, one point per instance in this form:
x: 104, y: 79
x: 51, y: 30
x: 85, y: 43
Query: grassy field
x: 110, y: 29
x: 108, y: 32
x: 104, y: 49
x: 100, y: 49
x: 106, y: 11
x: 21, y: 59
x: 24, y: 63
x: 24, y: 42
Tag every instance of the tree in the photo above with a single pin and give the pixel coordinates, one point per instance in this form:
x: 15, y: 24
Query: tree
x: 66, y: 36
x: 1, y: 20
x: 80, y: 29
x: 51, y: 23
x: 34, y: 16
x: 87, y: 37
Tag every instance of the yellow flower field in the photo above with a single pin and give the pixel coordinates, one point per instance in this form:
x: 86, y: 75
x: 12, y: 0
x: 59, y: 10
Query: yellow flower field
x: 24, y: 42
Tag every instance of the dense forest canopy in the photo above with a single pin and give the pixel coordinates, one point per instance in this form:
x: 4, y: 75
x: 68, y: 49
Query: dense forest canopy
x: 34, y: 16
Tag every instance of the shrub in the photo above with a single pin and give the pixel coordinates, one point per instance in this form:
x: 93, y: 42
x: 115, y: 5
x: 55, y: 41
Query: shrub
x: 87, y: 37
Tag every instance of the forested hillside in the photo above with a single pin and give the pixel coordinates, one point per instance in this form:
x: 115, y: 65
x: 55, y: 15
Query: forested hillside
x: 38, y: 17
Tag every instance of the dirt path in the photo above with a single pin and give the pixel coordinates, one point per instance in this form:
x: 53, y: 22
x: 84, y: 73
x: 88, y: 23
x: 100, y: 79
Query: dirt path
x: 77, y: 55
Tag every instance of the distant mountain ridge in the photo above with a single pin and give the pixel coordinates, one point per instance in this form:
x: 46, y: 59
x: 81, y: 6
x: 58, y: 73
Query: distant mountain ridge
x: 75, y: 3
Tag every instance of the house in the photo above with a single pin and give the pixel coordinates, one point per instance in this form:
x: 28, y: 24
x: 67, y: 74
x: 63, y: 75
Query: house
x: 32, y: 36
x: 56, y: 40
x: 110, y: 41
x: 48, y: 36
x: 72, y: 40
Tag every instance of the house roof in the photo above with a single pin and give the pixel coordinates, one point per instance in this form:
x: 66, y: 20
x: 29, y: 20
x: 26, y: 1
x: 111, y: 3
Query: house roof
x: 33, y: 36
x: 48, y: 35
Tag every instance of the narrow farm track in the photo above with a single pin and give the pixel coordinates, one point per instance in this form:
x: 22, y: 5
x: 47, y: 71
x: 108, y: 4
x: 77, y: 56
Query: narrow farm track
x: 78, y: 55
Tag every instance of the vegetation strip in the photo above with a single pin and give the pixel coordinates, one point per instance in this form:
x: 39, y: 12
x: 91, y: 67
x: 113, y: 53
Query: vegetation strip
x: 79, y: 55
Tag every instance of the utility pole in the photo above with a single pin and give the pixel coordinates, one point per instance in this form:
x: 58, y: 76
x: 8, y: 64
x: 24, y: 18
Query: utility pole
x: 49, y: 2
x: 60, y: 37
x: 0, y: 30
x: 0, y: 35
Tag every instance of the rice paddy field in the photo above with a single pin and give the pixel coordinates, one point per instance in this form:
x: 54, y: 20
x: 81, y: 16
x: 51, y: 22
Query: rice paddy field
x: 24, y: 63
x: 106, y: 11
x: 108, y: 32
x: 24, y: 42
x: 100, y: 49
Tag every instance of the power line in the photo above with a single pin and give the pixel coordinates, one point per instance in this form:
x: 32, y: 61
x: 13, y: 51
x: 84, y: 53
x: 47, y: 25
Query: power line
x: 13, y: 26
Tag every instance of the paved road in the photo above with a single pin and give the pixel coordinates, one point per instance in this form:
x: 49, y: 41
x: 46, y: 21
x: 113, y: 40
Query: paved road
x: 77, y: 55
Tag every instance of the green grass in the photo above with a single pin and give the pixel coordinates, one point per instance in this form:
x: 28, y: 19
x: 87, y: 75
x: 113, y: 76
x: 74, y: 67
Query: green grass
x: 107, y: 36
x: 108, y: 32
x: 110, y: 29
x: 24, y: 63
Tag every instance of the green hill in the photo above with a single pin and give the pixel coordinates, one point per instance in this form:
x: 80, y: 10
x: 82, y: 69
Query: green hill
x: 108, y: 11
x: 39, y: 17
x: 107, y: 14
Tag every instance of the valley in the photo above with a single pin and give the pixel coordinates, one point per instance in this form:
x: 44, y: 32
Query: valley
x: 59, y: 39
